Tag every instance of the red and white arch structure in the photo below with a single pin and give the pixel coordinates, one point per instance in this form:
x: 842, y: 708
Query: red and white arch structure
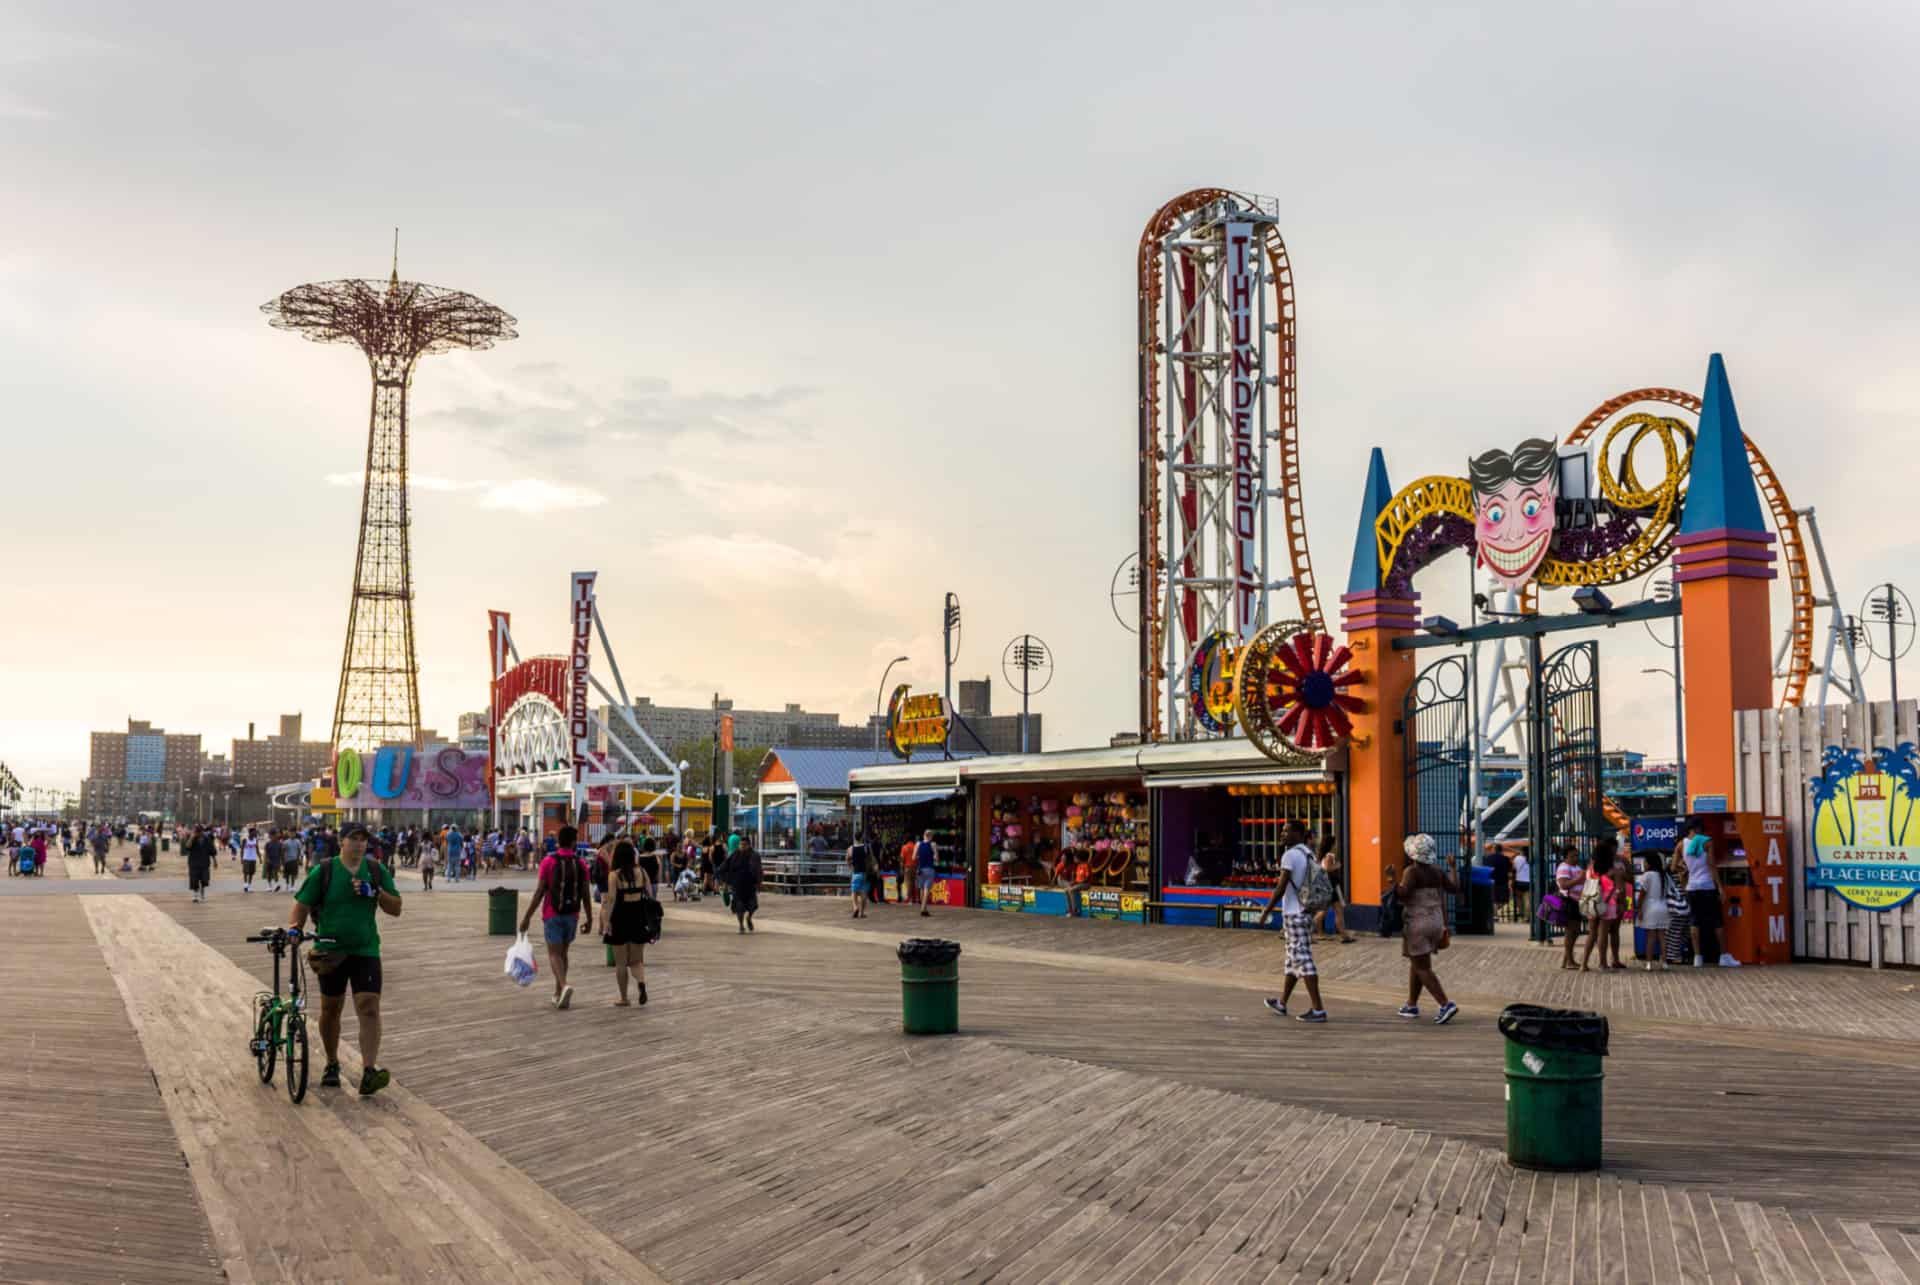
x: 542, y: 731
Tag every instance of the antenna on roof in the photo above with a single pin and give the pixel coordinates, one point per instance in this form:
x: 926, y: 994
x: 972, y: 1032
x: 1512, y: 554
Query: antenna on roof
x: 394, y: 280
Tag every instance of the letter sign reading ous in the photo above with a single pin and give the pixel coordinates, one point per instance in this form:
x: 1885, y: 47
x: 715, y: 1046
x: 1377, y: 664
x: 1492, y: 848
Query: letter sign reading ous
x: 1238, y: 278
x: 577, y: 721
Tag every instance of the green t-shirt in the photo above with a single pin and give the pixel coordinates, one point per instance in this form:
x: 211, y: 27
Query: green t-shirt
x: 347, y: 918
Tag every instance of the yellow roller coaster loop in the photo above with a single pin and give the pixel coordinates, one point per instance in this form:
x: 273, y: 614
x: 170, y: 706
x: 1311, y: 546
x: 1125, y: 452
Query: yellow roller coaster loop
x: 1658, y: 505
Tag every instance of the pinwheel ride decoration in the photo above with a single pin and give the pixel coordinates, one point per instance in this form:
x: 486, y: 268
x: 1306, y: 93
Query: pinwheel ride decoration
x: 1291, y: 691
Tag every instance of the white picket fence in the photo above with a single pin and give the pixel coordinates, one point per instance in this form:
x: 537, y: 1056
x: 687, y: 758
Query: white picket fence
x: 1779, y: 758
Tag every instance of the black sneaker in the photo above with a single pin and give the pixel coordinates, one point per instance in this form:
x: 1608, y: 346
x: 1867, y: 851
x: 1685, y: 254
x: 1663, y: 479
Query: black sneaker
x: 643, y: 992
x: 372, y: 1080
x: 330, y: 1078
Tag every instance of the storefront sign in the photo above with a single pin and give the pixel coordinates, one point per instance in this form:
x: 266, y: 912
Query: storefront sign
x: 1238, y: 278
x: 1210, y: 682
x: 1654, y: 834
x: 915, y: 721
x: 401, y: 777
x: 1111, y: 903
x: 579, y: 725
x: 1023, y: 900
x: 1866, y: 847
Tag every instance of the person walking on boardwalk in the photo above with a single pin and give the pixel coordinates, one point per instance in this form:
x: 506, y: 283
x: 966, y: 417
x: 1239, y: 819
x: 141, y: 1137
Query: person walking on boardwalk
x: 429, y: 859
x: 99, y: 844
x: 1295, y: 865
x: 629, y: 921
x: 1607, y: 884
x: 925, y: 858
x: 1651, y: 914
x: 202, y: 857
x: 1569, y: 880
x: 249, y: 859
x: 560, y: 895
x: 857, y: 864
x: 1422, y: 890
x: 1703, y: 897
x: 339, y: 896
x: 741, y: 874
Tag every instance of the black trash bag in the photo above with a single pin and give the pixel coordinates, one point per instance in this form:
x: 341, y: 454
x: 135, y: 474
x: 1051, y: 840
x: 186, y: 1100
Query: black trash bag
x: 1567, y: 1030
x: 926, y: 951
x: 1392, y: 917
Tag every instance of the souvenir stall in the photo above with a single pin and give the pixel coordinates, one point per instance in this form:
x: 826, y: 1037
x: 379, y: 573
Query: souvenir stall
x: 1221, y: 842
x: 1072, y: 846
x: 893, y: 824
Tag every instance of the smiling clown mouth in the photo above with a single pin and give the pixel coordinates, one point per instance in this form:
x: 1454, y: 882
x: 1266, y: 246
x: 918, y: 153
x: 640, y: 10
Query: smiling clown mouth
x: 1516, y: 561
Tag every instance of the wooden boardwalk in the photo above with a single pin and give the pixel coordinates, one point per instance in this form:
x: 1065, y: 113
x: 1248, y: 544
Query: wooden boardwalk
x: 1119, y: 1109
x: 96, y: 1187
x: 1097, y: 1124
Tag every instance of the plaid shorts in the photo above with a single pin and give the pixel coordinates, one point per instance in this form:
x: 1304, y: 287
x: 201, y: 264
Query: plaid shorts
x: 1299, y: 929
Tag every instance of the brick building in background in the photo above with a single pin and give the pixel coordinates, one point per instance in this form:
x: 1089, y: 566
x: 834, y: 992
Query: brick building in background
x: 143, y: 769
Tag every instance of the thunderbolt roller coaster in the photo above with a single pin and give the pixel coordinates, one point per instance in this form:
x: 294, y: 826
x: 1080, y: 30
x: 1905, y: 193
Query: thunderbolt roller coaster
x: 1218, y: 396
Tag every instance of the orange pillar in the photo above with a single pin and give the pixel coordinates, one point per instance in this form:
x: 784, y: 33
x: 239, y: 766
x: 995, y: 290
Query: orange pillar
x: 1376, y: 757
x: 1723, y: 560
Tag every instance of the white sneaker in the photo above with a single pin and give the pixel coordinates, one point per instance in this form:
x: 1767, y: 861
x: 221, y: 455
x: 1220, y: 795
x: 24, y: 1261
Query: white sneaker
x: 1699, y: 962
x: 1728, y: 961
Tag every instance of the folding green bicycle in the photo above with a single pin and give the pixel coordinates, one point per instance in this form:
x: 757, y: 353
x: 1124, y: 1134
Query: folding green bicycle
x: 280, y: 1021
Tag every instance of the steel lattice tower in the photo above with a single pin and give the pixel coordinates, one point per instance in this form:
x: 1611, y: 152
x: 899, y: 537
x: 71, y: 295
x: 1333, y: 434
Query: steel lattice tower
x: 394, y: 323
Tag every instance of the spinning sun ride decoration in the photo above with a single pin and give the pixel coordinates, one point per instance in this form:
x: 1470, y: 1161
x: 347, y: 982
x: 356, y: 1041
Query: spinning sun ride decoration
x: 1291, y: 691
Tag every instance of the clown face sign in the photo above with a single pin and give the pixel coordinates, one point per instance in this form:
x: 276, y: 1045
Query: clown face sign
x: 1513, y: 503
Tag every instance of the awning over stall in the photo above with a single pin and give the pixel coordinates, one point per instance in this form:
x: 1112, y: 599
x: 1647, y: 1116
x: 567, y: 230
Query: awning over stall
x: 899, y: 798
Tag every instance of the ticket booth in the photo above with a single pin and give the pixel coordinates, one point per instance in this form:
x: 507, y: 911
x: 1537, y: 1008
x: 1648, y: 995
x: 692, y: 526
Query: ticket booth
x: 1751, y: 852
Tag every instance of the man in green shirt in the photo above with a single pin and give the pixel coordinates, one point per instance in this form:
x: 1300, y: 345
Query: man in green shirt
x: 340, y: 894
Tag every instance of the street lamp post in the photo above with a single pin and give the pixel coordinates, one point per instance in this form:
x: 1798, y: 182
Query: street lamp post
x: 1663, y: 591
x: 880, y: 696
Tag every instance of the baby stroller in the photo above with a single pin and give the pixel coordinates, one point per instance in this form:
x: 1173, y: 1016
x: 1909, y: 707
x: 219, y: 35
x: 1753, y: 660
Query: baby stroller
x: 23, y: 861
x: 687, y: 886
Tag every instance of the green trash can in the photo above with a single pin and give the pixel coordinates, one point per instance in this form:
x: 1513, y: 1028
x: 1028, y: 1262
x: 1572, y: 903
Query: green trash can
x: 930, y: 986
x: 503, y: 912
x: 1554, y: 1080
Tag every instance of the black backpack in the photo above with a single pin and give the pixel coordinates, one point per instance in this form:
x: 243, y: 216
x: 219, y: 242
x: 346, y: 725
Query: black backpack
x: 652, y: 919
x: 564, y: 893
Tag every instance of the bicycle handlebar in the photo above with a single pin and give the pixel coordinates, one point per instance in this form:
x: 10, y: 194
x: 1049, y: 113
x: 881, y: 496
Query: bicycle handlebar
x: 273, y: 935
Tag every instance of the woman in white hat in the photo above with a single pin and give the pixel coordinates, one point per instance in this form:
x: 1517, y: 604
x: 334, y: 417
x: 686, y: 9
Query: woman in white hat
x: 1423, y: 888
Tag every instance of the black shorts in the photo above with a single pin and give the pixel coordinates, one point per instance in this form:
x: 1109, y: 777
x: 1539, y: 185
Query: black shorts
x: 362, y: 970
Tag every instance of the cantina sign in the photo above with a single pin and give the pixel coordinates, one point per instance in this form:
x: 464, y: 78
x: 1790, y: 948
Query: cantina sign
x: 915, y: 721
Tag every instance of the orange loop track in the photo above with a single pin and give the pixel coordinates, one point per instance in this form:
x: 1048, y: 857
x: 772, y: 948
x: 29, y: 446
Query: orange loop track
x: 1786, y: 526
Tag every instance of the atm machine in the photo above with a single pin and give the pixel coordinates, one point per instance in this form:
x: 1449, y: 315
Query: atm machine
x: 1750, y: 850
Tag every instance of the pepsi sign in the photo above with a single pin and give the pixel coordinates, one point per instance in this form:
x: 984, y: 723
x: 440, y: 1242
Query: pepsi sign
x: 1650, y: 833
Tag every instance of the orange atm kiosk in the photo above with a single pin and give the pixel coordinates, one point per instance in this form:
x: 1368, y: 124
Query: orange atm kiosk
x: 1751, y: 853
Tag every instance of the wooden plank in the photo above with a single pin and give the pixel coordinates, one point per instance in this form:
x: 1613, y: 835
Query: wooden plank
x: 395, y: 1172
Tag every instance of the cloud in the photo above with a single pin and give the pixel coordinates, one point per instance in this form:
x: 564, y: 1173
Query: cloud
x: 531, y: 495
x: 522, y: 495
x: 543, y: 412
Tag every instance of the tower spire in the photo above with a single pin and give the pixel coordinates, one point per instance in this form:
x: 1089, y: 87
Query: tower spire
x: 393, y: 282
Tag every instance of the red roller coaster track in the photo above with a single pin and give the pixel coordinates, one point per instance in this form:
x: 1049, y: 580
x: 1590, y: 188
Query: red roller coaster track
x: 1153, y: 454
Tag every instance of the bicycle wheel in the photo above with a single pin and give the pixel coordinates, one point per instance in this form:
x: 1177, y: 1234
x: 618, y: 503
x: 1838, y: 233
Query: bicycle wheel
x: 296, y: 1056
x: 265, y: 1040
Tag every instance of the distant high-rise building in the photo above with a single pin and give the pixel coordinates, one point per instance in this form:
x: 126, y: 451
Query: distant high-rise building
x: 279, y: 759
x: 143, y: 769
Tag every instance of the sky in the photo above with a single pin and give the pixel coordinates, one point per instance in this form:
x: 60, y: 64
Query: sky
x: 826, y: 310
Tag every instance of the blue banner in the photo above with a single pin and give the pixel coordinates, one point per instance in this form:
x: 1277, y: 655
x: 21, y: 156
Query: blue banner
x: 1829, y: 875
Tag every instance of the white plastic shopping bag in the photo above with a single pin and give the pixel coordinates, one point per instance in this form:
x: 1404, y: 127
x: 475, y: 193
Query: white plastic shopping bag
x: 521, y: 966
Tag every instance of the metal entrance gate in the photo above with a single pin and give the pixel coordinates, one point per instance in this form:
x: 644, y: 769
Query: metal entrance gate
x: 1438, y: 719
x: 1563, y: 764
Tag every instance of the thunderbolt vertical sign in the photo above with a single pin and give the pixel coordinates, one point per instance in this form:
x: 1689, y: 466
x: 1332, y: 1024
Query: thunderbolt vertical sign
x: 577, y: 721
x: 1238, y: 280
